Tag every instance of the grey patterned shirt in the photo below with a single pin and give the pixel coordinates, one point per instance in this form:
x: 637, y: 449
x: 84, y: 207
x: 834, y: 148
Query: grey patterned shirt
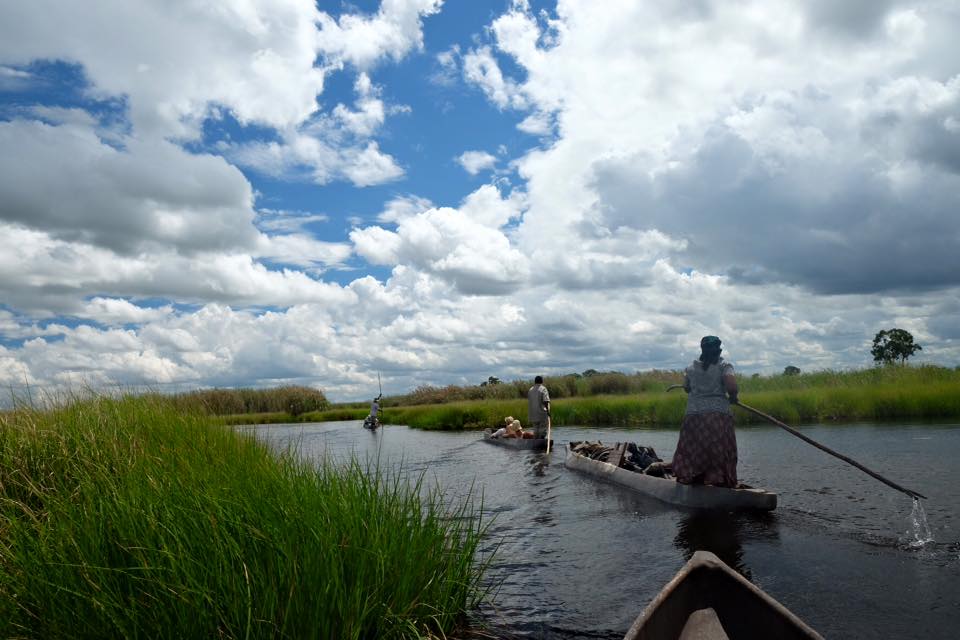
x: 537, y: 397
x: 705, y: 388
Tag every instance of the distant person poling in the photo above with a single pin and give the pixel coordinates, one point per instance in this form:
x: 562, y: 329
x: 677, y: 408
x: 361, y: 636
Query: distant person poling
x: 372, y: 421
x: 538, y: 407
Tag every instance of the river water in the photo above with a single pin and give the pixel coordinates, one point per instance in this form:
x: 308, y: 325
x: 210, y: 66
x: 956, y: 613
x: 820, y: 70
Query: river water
x: 579, y: 558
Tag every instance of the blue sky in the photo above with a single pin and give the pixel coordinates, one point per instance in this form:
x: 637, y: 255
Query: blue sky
x: 287, y: 192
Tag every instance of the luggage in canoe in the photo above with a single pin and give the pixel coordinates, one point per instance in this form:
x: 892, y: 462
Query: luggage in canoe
x: 666, y: 488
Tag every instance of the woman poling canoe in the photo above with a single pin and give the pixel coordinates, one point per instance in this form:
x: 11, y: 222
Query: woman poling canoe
x: 707, y: 450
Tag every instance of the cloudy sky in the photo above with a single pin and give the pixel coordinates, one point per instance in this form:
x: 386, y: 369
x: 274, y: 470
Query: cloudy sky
x: 257, y: 192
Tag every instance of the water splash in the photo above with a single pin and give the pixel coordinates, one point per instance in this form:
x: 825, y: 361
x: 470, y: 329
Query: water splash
x: 919, y: 534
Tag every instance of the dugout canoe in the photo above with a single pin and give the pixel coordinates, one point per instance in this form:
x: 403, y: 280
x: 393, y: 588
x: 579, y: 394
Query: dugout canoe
x: 669, y: 490
x: 707, y: 600
x: 531, y: 444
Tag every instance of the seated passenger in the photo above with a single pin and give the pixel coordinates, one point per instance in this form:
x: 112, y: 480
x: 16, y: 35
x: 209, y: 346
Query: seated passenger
x: 499, y: 433
x: 514, y: 430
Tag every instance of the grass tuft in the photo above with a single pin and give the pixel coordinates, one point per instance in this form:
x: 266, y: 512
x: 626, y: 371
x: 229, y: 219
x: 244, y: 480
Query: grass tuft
x: 126, y: 518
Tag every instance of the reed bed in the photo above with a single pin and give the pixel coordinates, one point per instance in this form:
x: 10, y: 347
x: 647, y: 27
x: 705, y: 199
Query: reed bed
x: 588, y: 383
x: 893, y: 392
x: 124, y: 518
x: 914, y: 401
x: 291, y: 399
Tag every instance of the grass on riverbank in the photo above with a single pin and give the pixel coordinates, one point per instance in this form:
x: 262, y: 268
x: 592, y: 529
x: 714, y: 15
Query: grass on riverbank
x: 927, y: 401
x: 877, y: 393
x: 126, y: 518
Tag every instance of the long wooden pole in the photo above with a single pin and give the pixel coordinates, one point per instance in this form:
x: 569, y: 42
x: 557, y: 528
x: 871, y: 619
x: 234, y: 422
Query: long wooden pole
x: 889, y: 483
x: 548, y: 433
x: 379, y: 399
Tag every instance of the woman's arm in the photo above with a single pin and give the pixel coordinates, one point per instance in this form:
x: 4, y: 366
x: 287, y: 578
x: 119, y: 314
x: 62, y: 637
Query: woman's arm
x: 730, y: 386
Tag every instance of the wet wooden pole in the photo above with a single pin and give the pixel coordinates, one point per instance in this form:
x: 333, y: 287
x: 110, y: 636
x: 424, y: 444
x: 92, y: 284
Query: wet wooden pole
x: 889, y: 483
x: 548, y: 433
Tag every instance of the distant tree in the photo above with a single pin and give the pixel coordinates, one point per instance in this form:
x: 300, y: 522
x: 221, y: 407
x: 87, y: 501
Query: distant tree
x: 755, y: 376
x: 791, y: 370
x: 590, y: 372
x: 493, y: 380
x: 893, y: 344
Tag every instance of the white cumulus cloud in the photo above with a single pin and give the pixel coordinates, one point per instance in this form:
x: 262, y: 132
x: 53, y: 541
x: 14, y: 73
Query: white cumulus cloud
x: 474, y: 162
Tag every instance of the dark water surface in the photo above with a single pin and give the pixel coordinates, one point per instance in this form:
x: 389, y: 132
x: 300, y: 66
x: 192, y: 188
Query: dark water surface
x: 579, y: 558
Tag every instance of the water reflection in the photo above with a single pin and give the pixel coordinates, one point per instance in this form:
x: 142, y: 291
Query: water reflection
x: 723, y: 534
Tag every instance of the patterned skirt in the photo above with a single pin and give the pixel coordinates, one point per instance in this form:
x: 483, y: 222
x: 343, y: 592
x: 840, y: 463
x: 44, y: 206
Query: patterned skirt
x: 707, y: 450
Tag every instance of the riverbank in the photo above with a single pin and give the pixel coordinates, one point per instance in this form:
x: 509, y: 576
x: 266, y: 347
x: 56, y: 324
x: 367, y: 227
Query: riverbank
x: 824, y: 405
x: 934, y: 401
x: 129, y: 518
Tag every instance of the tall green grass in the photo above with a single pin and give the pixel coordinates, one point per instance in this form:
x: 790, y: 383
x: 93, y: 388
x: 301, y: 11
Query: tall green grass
x: 124, y: 518
x: 593, y: 383
x: 291, y: 399
x: 877, y: 393
x: 590, y: 383
x: 591, y: 411
x: 816, y: 404
x: 885, y: 376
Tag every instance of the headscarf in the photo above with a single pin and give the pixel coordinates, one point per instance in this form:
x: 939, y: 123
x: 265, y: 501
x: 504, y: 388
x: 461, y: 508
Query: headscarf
x: 709, y: 351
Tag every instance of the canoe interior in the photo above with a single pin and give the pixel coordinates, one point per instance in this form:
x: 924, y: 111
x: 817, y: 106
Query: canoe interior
x: 744, y: 610
x: 669, y: 490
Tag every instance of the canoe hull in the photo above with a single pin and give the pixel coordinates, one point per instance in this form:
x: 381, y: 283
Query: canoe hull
x: 671, y: 491
x: 529, y: 444
x: 743, y: 609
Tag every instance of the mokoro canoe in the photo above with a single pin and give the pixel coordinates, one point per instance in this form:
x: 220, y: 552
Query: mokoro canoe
x: 707, y: 600
x: 533, y: 444
x: 372, y: 423
x: 671, y: 491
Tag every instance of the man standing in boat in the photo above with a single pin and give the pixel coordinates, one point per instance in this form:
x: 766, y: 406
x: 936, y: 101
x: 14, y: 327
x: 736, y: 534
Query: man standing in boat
x: 375, y: 409
x: 538, y: 407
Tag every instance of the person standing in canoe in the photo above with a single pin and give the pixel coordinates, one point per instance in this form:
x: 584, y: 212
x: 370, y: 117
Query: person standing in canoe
x: 707, y: 450
x: 538, y: 407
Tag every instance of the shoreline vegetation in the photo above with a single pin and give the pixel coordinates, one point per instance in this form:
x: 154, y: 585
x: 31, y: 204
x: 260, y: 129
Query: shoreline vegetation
x: 892, y: 392
x: 130, y: 517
